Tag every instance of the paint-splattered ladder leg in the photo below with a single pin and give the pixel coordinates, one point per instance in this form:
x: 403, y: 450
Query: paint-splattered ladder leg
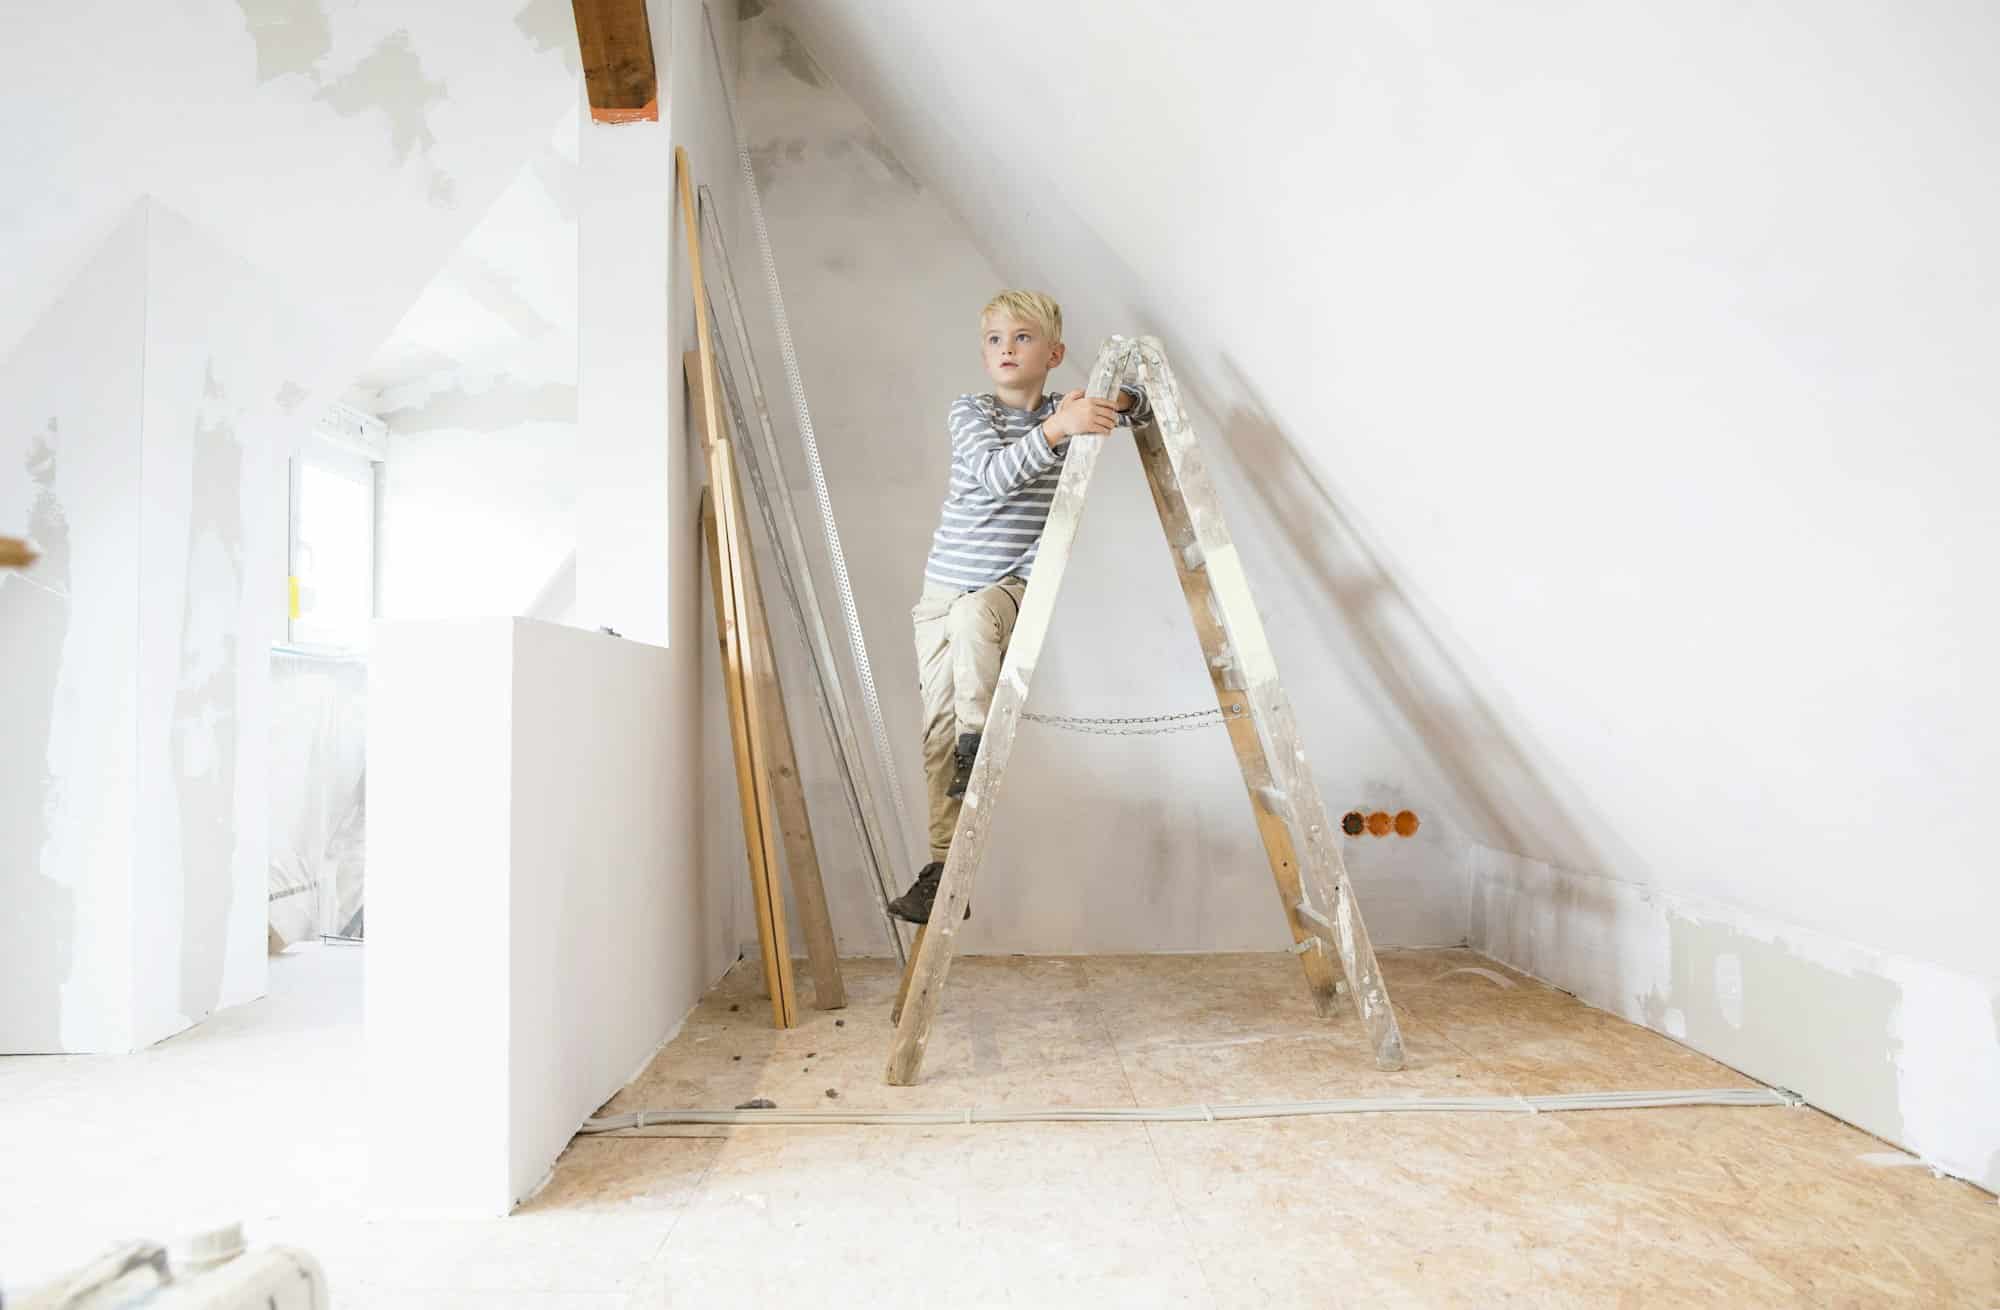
x: 909, y: 970
x: 1312, y: 882
x: 932, y: 960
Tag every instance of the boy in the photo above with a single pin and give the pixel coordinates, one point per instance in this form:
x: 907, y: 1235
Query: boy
x: 1007, y: 449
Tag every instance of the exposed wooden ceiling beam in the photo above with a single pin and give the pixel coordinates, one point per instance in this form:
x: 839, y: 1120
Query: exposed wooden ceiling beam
x: 617, y: 45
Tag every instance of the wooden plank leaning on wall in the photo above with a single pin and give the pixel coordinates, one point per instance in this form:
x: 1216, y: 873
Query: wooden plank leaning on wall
x: 766, y: 768
x: 746, y: 721
x: 781, y: 764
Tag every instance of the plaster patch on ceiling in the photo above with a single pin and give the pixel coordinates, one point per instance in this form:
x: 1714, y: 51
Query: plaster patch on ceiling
x: 504, y: 403
x: 292, y: 36
x: 391, y: 79
x: 879, y: 148
x: 795, y: 59
x: 765, y: 157
x: 550, y: 25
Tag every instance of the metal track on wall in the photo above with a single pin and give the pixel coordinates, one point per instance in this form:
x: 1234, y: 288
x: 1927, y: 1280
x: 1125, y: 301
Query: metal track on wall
x: 794, y: 572
x: 836, y: 557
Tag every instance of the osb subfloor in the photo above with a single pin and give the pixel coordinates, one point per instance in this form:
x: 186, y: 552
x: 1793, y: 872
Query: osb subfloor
x: 256, y: 1116
x: 1696, y: 1206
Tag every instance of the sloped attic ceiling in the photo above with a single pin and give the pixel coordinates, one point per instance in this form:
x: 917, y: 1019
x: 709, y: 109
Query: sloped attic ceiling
x: 1619, y: 376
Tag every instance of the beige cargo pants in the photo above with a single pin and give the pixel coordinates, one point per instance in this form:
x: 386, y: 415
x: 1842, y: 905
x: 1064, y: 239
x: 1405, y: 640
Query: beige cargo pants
x: 961, y: 640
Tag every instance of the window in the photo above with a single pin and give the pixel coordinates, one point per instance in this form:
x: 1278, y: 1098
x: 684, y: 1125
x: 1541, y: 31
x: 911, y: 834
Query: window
x: 332, y: 549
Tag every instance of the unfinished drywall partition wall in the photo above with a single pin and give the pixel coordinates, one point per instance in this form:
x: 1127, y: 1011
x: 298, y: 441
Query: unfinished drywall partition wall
x: 144, y: 410
x: 1114, y: 843
x: 1625, y: 367
x: 68, y: 452
x: 517, y: 777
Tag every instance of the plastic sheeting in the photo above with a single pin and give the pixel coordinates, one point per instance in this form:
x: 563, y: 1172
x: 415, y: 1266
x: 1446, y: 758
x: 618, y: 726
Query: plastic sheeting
x: 318, y: 807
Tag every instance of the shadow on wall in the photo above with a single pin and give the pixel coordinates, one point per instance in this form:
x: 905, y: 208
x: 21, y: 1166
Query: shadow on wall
x: 1506, y: 795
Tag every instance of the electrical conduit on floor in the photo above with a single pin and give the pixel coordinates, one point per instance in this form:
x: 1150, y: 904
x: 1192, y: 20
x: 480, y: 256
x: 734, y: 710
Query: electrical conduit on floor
x: 1552, y: 1104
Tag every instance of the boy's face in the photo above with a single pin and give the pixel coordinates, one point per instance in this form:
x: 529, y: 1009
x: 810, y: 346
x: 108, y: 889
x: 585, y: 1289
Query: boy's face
x: 1017, y: 353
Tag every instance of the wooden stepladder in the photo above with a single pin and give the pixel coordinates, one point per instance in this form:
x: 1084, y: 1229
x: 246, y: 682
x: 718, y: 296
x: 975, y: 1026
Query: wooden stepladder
x: 1305, y: 861
x: 767, y: 775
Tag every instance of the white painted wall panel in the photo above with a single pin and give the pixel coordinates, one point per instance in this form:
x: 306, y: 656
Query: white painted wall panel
x: 619, y: 927
x: 539, y: 919
x: 440, y: 910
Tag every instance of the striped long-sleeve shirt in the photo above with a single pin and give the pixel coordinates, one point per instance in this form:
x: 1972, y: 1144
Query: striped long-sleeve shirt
x: 1003, y: 480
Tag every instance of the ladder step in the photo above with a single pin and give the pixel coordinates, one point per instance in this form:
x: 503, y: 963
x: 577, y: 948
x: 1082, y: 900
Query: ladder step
x: 1307, y: 912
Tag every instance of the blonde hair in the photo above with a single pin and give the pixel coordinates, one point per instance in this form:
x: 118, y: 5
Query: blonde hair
x: 1031, y: 307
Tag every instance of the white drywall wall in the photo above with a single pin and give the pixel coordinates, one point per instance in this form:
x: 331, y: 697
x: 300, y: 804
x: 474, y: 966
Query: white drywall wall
x: 1106, y: 843
x: 1615, y: 377
x: 626, y: 926
x: 441, y: 932
x: 626, y: 380
x: 539, y: 918
x: 477, y: 500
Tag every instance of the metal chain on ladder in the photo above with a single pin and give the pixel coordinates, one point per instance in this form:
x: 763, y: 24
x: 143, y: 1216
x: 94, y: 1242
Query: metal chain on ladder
x: 1144, y: 725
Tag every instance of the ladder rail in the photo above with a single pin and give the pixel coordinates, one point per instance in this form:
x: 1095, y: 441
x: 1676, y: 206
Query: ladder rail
x: 1313, y: 885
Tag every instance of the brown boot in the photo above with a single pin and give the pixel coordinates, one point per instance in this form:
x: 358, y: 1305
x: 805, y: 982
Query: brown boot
x: 914, y: 905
